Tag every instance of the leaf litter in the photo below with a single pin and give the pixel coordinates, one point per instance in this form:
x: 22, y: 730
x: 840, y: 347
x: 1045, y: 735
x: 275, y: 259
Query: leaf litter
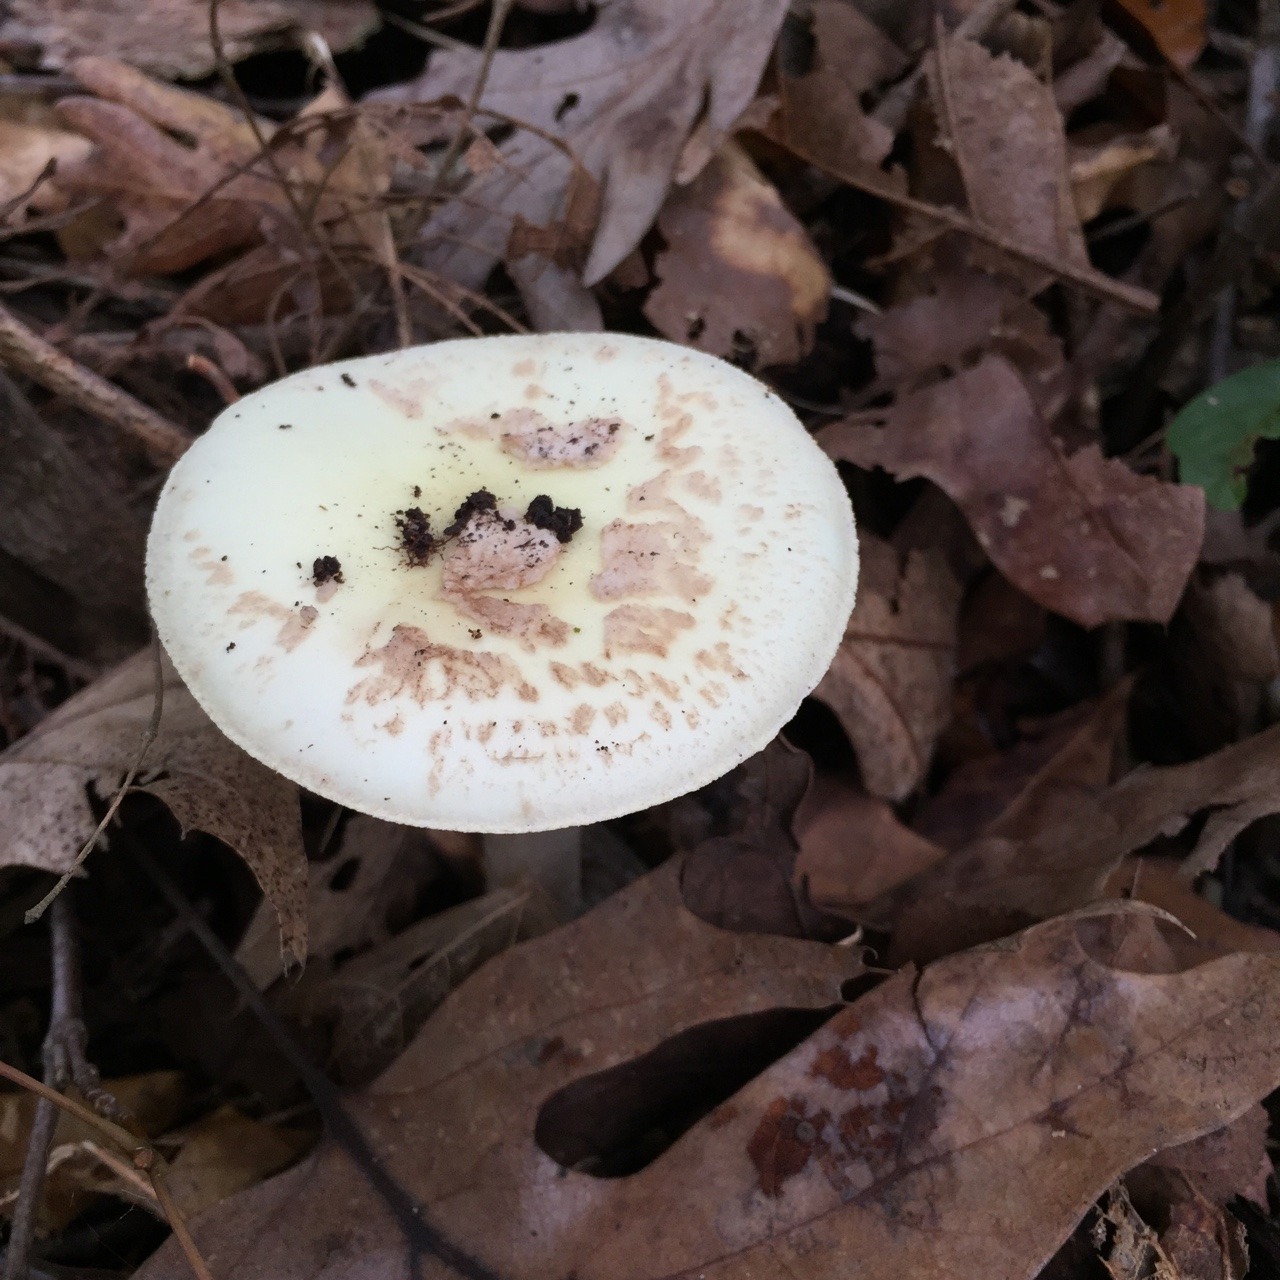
x: 907, y: 993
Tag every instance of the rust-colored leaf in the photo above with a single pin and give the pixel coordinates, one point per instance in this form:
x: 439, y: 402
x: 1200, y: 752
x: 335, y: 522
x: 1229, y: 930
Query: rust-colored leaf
x: 1082, y: 534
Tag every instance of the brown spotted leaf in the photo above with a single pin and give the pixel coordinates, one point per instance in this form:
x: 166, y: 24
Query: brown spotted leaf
x: 1006, y: 136
x: 890, y: 682
x: 955, y: 1123
x: 739, y: 275
x: 208, y: 783
x: 1082, y: 535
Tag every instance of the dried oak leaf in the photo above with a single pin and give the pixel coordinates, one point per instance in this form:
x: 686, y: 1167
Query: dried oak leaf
x: 890, y: 681
x: 1006, y: 878
x: 739, y: 275
x: 208, y: 783
x: 956, y: 1122
x: 840, y: 58
x: 1006, y: 136
x: 624, y: 97
x: 170, y: 38
x: 1082, y: 535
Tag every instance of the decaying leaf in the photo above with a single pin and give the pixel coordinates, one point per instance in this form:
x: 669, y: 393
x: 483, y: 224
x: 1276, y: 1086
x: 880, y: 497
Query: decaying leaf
x: 890, y: 682
x: 1007, y: 1086
x: 1005, y: 879
x: 1082, y: 534
x: 1005, y: 133
x: 739, y: 275
x: 748, y: 881
x: 170, y: 38
x: 840, y: 57
x: 624, y: 96
x: 208, y: 783
x: 854, y: 850
x: 226, y: 1151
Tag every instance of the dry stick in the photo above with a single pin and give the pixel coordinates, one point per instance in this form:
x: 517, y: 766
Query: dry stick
x: 144, y: 1157
x: 64, y: 1064
x: 148, y: 737
x: 422, y: 1236
x: 215, y: 376
x: 24, y: 350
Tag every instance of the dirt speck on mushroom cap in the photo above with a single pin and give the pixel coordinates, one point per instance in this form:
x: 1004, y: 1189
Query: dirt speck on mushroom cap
x: 676, y: 631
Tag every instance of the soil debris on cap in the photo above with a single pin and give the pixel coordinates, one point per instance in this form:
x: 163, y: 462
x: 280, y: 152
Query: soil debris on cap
x: 326, y: 569
x: 473, y: 504
x: 417, y: 541
x: 564, y: 522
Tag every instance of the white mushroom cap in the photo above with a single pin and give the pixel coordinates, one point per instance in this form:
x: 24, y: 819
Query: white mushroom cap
x: 512, y: 682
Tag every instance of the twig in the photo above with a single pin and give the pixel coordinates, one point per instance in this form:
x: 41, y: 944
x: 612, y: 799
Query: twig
x: 1093, y: 282
x: 497, y: 20
x: 1264, y: 78
x: 423, y: 1238
x: 426, y: 34
x: 23, y: 350
x: 144, y: 1157
x: 214, y: 375
x: 64, y: 1063
x: 148, y: 737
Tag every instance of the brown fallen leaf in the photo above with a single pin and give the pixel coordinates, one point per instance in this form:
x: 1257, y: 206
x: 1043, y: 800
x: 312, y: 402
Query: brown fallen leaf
x: 354, y: 896
x: 1000, y: 882
x: 739, y: 275
x: 207, y: 782
x: 1005, y: 134
x: 853, y: 849
x: 748, y: 881
x: 170, y: 38
x: 31, y: 140
x: 1058, y: 761
x: 226, y: 1151
x: 954, y: 1123
x: 1177, y: 28
x: 1082, y: 535
x: 820, y: 100
x: 623, y: 98
x: 1099, y: 166
x: 890, y: 681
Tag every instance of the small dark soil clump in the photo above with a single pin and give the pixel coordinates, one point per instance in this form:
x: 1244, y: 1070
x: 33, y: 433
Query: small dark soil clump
x: 326, y: 569
x: 564, y: 522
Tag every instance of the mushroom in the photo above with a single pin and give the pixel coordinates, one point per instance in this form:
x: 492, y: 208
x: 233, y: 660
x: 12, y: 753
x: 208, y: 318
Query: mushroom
x: 504, y: 585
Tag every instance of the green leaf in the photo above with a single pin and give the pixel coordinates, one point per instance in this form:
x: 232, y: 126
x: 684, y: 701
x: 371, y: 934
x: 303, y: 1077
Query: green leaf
x: 1214, y: 435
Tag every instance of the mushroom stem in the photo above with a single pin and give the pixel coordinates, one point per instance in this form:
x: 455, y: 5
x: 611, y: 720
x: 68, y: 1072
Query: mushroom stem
x: 550, y: 859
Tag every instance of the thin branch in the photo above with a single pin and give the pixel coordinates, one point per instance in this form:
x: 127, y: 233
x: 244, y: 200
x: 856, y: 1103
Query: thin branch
x: 1093, y: 282
x: 26, y: 352
x: 422, y: 1237
x: 144, y: 1156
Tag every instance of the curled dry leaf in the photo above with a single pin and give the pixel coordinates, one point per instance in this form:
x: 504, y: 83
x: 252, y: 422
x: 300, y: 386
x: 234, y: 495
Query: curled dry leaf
x: 841, y: 57
x: 207, y: 782
x: 739, y: 275
x: 890, y: 682
x: 1005, y: 134
x: 623, y: 98
x: 1012, y: 875
x: 170, y: 38
x: 955, y: 1123
x: 1082, y: 534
